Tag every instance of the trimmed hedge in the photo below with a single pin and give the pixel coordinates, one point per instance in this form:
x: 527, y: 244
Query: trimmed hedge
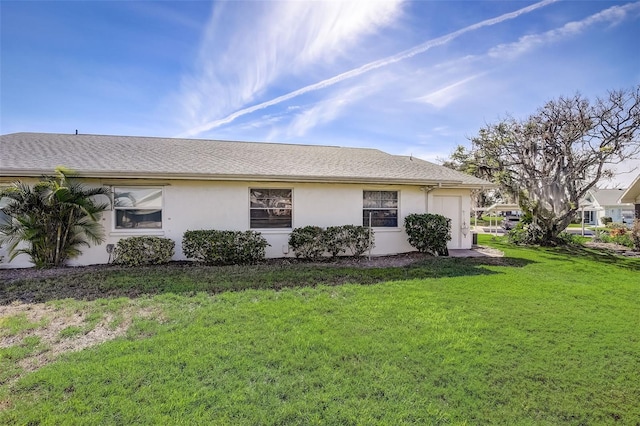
x: 312, y: 242
x: 307, y: 242
x: 143, y: 250
x: 355, y: 239
x: 224, y: 247
x: 428, y: 233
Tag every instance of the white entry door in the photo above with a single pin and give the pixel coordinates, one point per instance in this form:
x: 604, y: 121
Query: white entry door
x: 450, y: 206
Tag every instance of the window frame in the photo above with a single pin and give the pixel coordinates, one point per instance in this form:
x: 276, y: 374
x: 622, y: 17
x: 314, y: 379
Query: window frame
x: 252, y: 208
x: 365, y: 210
x: 119, y: 188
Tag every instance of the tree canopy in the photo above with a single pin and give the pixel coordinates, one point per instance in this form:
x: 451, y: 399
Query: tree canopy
x: 550, y: 160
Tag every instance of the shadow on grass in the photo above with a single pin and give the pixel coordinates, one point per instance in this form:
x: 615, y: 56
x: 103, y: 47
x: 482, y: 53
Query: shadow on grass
x: 188, y: 278
x: 608, y: 257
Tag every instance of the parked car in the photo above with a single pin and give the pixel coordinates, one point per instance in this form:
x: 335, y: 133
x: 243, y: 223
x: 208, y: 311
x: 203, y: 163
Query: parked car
x: 510, y: 222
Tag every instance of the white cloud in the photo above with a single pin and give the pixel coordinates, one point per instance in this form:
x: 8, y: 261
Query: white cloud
x: 249, y: 46
x: 444, y: 96
x: 465, y: 69
x: 320, y: 113
x: 612, y: 15
x: 211, y: 124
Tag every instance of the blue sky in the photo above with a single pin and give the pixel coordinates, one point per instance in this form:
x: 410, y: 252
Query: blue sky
x: 405, y: 77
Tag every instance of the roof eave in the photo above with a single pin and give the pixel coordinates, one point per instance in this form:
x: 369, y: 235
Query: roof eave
x: 17, y: 173
x: 632, y: 193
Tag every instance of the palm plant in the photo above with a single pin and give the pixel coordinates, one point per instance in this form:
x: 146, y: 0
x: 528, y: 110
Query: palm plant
x: 54, y: 218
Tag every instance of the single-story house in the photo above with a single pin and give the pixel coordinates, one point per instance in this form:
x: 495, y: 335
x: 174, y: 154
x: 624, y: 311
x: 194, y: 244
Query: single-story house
x: 165, y: 186
x: 632, y: 196
x: 599, y: 203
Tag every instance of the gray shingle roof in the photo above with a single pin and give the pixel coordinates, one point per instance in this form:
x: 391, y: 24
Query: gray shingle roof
x: 33, y: 154
x: 607, y: 197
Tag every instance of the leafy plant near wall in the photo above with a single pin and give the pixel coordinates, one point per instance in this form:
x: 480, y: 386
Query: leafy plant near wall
x: 428, y: 233
x: 312, y: 242
x: 307, y: 242
x: 54, y: 218
x: 355, y: 239
x: 143, y: 250
x: 215, y: 247
x: 334, y: 240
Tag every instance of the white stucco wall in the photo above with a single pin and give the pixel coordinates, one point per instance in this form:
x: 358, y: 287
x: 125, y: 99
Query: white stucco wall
x: 619, y: 214
x: 191, y: 205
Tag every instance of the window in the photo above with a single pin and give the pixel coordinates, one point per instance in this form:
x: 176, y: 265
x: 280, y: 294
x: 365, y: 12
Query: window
x: 381, y: 207
x: 137, y: 208
x: 589, y: 216
x: 270, y: 208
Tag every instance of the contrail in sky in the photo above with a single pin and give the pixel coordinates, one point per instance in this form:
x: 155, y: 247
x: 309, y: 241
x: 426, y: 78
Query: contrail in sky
x: 366, y: 68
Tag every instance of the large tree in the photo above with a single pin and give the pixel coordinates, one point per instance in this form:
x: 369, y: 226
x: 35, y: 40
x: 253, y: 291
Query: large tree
x: 463, y: 160
x: 51, y: 220
x: 550, y: 160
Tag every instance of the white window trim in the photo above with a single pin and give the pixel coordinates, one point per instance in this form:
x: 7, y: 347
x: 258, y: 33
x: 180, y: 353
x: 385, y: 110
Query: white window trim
x: 398, y: 226
x: 135, y: 231
x: 271, y: 230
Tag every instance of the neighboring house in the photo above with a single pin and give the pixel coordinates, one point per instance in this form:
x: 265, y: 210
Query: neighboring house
x: 632, y: 196
x: 165, y: 187
x: 599, y: 203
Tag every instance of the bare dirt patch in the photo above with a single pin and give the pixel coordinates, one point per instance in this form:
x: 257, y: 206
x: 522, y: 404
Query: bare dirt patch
x: 17, y: 274
x: 52, y: 321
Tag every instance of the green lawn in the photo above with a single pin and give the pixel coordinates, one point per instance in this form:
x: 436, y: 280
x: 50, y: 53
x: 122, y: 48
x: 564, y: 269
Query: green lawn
x: 543, y: 336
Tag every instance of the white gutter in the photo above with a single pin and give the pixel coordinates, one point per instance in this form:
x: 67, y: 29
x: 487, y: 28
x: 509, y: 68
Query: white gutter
x: 255, y: 178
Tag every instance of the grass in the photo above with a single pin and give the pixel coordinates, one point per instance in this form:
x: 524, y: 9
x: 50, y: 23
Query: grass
x: 189, y: 279
x: 544, y: 336
x: 15, y: 324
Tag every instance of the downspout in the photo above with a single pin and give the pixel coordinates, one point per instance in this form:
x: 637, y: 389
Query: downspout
x: 426, y: 190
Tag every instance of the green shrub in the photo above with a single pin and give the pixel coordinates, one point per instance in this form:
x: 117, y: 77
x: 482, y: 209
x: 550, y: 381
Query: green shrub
x: 623, y: 239
x: 606, y: 220
x: 569, y: 239
x: 224, y: 247
x: 335, y: 240
x: 635, y: 234
x: 525, y: 234
x: 428, y: 233
x: 360, y: 239
x: 599, y: 235
x: 602, y: 237
x: 348, y: 238
x: 308, y: 242
x: 143, y: 250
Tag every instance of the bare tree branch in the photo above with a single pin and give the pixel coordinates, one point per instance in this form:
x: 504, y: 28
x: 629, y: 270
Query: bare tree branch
x: 551, y: 159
